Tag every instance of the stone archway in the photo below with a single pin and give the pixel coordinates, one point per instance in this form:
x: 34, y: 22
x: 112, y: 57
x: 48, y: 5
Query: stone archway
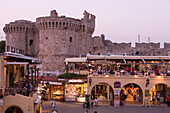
x: 103, y: 92
x: 160, y: 89
x: 14, y: 109
x: 131, y: 93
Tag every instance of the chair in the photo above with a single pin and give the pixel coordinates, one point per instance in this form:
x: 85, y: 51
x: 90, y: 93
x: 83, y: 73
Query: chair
x: 24, y: 91
x: 18, y: 90
x: 11, y: 91
x: 6, y: 92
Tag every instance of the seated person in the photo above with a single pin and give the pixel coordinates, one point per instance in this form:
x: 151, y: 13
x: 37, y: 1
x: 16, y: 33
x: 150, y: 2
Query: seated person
x: 92, y: 102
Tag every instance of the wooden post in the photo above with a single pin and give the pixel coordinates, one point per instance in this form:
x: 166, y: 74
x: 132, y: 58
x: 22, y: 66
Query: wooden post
x: 32, y: 78
x: 38, y: 74
x: 35, y: 75
x: 27, y: 76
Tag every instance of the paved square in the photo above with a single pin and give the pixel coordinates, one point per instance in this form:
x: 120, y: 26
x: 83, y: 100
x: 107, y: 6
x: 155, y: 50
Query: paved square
x: 63, y: 107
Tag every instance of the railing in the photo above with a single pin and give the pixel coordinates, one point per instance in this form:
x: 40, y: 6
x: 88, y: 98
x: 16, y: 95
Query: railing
x: 21, y: 91
x: 78, y: 71
x: 13, y: 91
x: 127, y: 74
x: 14, y: 50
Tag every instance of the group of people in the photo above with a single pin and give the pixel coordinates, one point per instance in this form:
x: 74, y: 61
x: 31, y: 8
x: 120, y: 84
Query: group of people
x: 157, y: 98
x: 87, y: 103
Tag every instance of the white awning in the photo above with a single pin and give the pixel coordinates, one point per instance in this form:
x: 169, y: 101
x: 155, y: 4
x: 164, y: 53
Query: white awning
x: 55, y: 83
x: 78, y: 59
x: 22, y: 57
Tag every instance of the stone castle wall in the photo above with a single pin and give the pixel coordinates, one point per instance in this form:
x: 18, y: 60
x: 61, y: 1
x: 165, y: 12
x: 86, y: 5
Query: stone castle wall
x: 102, y: 46
x: 54, y: 38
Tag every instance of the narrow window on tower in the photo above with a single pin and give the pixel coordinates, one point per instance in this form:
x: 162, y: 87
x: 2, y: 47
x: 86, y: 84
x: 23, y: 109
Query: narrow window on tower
x: 31, y: 42
x: 70, y: 39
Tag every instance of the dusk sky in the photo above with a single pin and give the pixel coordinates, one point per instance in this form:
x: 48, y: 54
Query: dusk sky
x: 119, y: 20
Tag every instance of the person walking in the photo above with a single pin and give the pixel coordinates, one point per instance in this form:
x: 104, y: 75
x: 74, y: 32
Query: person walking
x: 153, y: 99
x: 88, y: 105
x: 92, y: 103
x: 85, y: 103
x: 96, y: 102
x: 158, y: 98
x: 53, y: 104
x: 168, y: 100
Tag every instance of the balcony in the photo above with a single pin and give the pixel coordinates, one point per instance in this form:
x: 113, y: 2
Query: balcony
x: 79, y: 71
x: 127, y: 74
x: 19, y: 91
x: 14, y: 50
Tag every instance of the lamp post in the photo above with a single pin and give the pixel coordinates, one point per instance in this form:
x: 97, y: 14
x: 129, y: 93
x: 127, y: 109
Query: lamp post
x: 66, y: 69
x: 47, y: 85
x: 147, y: 82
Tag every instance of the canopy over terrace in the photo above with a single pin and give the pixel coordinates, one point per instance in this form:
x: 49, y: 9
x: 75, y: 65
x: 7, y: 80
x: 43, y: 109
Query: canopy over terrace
x: 20, y: 58
x: 165, y: 60
x: 78, y: 59
x: 17, y: 69
x: 126, y: 65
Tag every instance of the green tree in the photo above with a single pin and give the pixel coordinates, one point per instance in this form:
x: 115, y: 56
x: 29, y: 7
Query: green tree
x: 2, y: 46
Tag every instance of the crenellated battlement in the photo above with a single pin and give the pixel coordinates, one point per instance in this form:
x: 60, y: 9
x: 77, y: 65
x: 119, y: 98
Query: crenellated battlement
x: 66, y: 23
x: 20, y: 26
x: 123, y: 44
x: 147, y: 45
x: 167, y: 45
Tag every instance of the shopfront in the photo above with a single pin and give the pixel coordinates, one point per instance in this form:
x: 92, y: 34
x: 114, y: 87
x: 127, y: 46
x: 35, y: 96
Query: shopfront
x: 131, y: 93
x: 56, y: 91
x: 53, y: 90
x: 159, y: 89
x: 75, y: 90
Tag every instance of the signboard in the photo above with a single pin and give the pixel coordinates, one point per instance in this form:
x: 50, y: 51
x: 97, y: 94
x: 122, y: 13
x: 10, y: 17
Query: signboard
x: 117, y: 84
x: 117, y: 92
x: 76, y: 72
x: 117, y: 101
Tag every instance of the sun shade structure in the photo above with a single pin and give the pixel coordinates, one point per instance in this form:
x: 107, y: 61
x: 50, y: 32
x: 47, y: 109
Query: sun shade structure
x: 78, y: 59
x: 164, y: 60
x: 20, y: 59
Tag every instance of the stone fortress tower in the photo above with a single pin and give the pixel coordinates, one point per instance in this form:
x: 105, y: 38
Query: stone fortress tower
x: 61, y: 37
x: 54, y: 38
x: 22, y: 37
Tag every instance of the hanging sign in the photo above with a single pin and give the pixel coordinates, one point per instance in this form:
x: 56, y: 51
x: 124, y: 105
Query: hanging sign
x: 117, y: 84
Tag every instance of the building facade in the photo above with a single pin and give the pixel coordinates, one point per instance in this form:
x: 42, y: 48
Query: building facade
x: 54, y: 38
x: 125, y: 79
x: 18, y: 91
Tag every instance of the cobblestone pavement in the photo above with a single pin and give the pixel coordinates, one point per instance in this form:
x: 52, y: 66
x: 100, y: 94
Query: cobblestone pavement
x: 63, y: 107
